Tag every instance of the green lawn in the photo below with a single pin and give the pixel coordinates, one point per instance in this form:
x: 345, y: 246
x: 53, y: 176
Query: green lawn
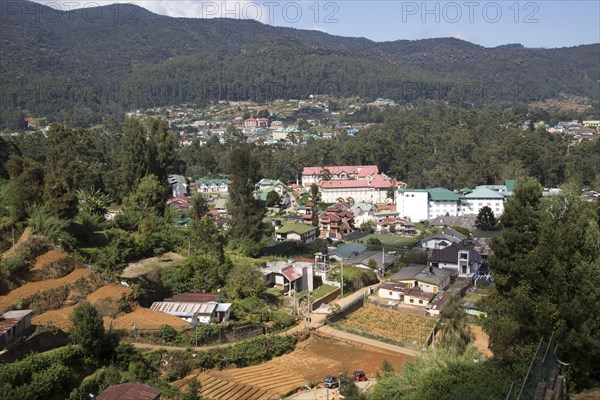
x: 323, y: 290
x: 391, y: 240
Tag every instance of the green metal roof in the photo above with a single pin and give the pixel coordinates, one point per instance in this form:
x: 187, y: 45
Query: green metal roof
x: 296, y: 228
x: 209, y: 181
x: 510, y: 185
x: 442, y: 194
x: 483, y: 193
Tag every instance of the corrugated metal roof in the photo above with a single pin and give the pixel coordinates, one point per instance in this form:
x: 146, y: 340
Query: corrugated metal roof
x: 291, y: 274
x: 184, y: 309
x: 129, y: 391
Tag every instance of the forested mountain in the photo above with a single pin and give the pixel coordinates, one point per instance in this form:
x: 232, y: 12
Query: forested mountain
x: 77, y: 65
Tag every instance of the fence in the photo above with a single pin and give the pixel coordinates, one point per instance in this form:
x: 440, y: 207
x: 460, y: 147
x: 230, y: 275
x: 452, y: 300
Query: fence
x: 542, y: 377
x: 346, y: 309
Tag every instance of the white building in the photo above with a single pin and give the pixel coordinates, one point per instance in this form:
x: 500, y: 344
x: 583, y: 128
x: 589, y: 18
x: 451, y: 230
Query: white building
x: 422, y: 204
x: 480, y: 197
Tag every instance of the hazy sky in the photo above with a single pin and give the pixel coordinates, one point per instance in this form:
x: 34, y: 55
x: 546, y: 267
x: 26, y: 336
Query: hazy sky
x: 489, y: 23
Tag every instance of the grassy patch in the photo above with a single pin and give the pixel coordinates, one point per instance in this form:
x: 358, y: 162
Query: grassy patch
x: 391, y: 240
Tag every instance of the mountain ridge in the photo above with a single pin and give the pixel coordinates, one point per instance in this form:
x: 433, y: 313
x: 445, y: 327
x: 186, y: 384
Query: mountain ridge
x: 80, y: 51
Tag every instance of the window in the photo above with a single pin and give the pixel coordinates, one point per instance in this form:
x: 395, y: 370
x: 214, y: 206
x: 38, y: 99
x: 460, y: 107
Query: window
x: 420, y: 301
x: 412, y: 301
x: 390, y: 292
x: 463, y: 256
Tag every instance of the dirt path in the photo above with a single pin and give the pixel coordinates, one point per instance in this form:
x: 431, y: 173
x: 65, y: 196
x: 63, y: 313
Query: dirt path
x: 481, y: 341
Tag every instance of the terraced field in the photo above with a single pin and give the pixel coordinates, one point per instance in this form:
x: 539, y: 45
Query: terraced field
x: 32, y: 288
x: 114, y: 292
x: 48, y: 258
x: 400, y: 327
x: 310, y: 362
x: 143, y: 318
x: 57, y: 318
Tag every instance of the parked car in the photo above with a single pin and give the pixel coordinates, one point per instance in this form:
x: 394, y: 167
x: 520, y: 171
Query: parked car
x: 331, y: 382
x: 359, y: 376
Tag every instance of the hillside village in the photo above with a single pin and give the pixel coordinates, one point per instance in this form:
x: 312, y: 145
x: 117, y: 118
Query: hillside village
x: 234, y: 201
x: 351, y: 217
x: 221, y: 255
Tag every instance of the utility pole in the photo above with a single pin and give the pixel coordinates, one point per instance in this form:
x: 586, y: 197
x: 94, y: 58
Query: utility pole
x: 295, y: 303
x: 342, y: 279
x: 308, y: 314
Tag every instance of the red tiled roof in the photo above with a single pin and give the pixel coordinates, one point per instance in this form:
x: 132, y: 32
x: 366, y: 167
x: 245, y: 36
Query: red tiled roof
x: 360, y: 170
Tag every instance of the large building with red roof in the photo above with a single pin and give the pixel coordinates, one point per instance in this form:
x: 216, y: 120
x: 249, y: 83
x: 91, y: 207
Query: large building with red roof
x: 316, y: 175
x: 374, y: 189
x: 360, y: 183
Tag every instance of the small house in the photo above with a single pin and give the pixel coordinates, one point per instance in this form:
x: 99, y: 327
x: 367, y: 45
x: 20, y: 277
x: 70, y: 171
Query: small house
x: 12, y: 325
x: 292, y: 232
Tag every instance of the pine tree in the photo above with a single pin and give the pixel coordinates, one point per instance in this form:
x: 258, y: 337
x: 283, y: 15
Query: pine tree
x: 485, y: 221
x: 246, y: 213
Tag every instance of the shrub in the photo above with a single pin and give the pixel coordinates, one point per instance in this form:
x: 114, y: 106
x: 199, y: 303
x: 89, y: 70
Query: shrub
x: 15, y: 263
x: 167, y: 333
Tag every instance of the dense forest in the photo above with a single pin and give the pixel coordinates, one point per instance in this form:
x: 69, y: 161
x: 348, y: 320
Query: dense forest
x: 58, y: 65
x: 433, y: 145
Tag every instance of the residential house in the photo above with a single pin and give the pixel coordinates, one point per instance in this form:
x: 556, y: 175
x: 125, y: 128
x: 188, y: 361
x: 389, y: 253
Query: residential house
x: 465, y: 262
x: 13, y: 324
x: 348, y: 251
x: 129, y: 391
x: 179, y: 185
x: 363, y: 212
x: 178, y: 203
x: 293, y: 232
x: 423, y: 277
x: 212, y: 185
x: 416, y: 285
x: 289, y: 275
x: 221, y: 206
x: 382, y: 260
x: 466, y: 221
x: 392, y: 290
x: 395, y: 225
x: 203, y: 308
x: 336, y: 221
x: 253, y: 123
x: 442, y: 239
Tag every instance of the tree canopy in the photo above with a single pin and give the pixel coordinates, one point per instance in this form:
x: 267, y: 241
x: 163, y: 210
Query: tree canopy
x: 546, y: 264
